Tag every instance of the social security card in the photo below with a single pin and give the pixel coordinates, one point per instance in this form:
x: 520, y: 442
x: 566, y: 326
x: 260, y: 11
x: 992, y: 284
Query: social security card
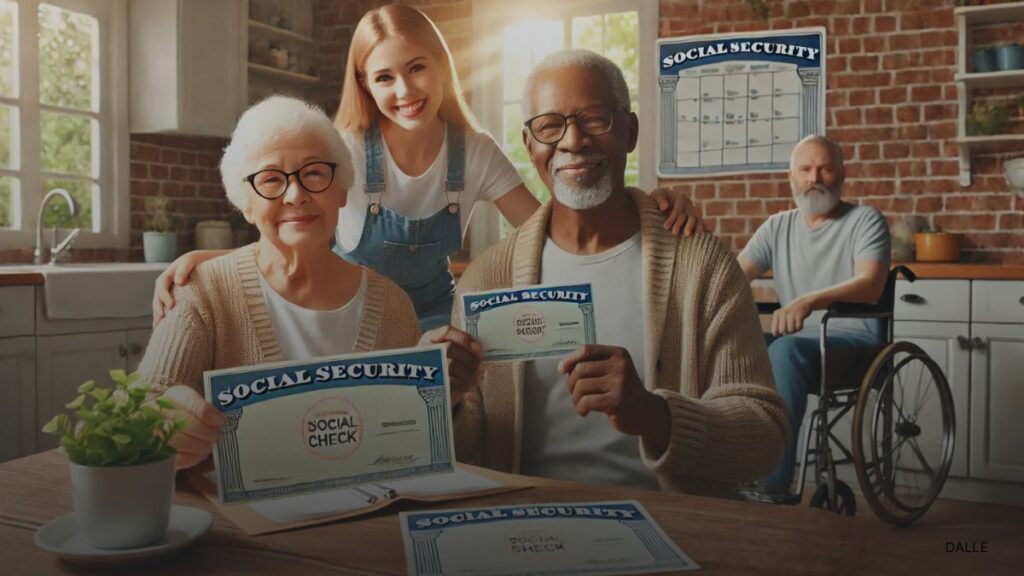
x: 530, y: 322
x: 303, y: 426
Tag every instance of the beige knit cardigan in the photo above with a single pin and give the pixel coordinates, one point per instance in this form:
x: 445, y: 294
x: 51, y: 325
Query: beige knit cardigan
x: 704, y: 354
x: 221, y: 321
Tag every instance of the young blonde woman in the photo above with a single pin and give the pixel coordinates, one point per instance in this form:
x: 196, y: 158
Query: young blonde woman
x: 421, y: 165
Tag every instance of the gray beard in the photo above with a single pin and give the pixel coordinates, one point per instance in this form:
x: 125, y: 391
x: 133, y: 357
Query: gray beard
x: 582, y: 197
x: 816, y: 200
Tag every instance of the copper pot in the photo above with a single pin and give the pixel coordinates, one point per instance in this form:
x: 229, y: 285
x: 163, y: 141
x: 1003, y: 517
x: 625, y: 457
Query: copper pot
x: 937, y: 246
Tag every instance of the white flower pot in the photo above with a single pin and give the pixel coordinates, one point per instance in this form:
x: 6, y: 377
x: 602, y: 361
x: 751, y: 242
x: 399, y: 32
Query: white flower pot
x: 160, y: 246
x: 123, y: 506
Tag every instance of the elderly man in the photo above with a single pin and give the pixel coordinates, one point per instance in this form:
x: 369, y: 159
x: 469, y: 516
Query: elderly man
x: 824, y: 251
x: 678, y: 393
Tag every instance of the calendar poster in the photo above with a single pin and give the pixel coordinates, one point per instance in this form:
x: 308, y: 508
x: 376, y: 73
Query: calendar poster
x: 738, y: 103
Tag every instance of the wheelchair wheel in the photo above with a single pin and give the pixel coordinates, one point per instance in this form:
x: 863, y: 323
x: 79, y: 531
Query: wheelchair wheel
x: 846, y: 503
x: 902, y: 435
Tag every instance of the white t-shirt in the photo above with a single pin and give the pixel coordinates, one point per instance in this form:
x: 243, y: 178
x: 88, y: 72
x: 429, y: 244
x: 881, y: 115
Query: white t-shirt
x: 557, y: 442
x: 305, y: 333
x: 489, y: 175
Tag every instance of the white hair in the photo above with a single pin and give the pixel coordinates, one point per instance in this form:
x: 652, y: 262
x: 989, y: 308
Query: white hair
x: 835, y: 149
x: 272, y: 118
x: 583, y: 59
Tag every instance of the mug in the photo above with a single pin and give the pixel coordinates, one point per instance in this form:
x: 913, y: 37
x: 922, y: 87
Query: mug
x: 1010, y: 57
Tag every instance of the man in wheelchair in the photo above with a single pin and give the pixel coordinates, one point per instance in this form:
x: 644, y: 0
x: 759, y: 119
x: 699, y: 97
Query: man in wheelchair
x: 823, y: 252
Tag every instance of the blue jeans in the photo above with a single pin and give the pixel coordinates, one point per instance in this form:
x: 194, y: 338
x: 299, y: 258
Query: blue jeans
x: 796, y: 366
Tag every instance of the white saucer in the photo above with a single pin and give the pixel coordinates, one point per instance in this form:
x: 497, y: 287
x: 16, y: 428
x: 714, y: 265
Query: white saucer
x: 62, y: 537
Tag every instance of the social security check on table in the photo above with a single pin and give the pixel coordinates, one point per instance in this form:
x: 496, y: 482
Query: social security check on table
x: 295, y: 427
x: 531, y: 322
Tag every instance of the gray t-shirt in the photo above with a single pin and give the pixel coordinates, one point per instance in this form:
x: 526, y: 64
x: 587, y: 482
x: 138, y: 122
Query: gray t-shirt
x: 804, y: 260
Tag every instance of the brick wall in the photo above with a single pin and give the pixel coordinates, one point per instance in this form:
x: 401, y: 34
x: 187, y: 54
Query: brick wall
x: 892, y: 104
x: 185, y: 169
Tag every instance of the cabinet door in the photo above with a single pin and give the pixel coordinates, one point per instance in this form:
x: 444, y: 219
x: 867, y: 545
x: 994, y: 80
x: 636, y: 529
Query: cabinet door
x: 64, y: 362
x: 17, y: 397
x: 137, y: 340
x: 940, y: 341
x: 997, y: 401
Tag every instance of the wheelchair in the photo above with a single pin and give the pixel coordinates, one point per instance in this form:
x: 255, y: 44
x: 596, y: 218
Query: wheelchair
x: 902, y: 426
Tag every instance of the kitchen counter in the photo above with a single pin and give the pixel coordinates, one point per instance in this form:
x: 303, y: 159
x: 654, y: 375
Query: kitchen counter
x: 20, y: 277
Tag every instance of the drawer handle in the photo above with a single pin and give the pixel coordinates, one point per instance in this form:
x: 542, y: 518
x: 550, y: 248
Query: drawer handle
x: 978, y: 343
x: 1021, y: 300
x: 963, y: 342
x: 122, y: 351
x: 914, y: 299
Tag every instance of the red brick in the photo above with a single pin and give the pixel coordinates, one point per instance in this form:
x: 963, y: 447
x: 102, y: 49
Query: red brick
x: 867, y: 152
x: 732, y: 190
x: 876, y: 44
x: 896, y: 95
x: 942, y: 131
x: 848, y: 117
x: 927, y: 205
x: 159, y: 171
x: 861, y: 25
x: 864, y: 63
x: 885, y: 24
x: 749, y: 207
x: 924, y: 149
x: 933, y: 112
x: 895, y: 150
x: 1011, y: 221
x: 849, y: 45
x: 878, y: 116
x: 732, y: 225
x: 913, y: 132
x: 925, y: 93
x: 960, y: 222
x: 979, y: 203
x: 913, y: 168
x: 145, y: 153
x: 717, y: 208
x: 908, y: 114
x: 139, y: 170
x: 912, y: 77
x: 169, y: 156
x: 862, y: 97
x: 798, y: 10
x: 704, y: 191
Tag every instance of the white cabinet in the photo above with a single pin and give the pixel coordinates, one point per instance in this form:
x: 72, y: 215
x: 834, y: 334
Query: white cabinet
x: 65, y: 361
x: 17, y: 397
x: 136, y: 341
x: 946, y: 343
x: 997, y: 401
x: 187, y: 66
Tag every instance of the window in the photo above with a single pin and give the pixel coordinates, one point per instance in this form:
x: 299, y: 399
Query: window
x: 622, y: 30
x: 63, y: 118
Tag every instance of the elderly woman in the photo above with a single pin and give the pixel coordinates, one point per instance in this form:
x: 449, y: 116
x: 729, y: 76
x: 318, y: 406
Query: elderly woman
x: 287, y: 296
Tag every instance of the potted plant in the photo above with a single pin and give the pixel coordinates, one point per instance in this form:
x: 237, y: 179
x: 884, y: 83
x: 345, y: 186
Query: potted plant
x: 986, y: 119
x: 121, y: 461
x: 934, y: 245
x: 160, y: 240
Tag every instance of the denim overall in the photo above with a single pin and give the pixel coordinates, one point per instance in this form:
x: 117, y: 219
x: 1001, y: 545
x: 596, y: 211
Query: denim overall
x: 413, y: 253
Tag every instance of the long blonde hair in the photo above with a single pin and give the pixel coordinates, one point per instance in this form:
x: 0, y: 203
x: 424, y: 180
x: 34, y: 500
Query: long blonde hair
x: 357, y: 109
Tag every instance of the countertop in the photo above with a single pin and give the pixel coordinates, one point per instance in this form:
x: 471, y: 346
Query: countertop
x: 21, y: 276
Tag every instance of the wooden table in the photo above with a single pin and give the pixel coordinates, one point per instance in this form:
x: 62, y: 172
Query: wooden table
x: 723, y: 537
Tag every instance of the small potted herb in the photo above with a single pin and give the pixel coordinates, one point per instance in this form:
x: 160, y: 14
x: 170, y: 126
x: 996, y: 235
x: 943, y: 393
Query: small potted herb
x: 987, y: 119
x: 121, y: 461
x: 160, y: 240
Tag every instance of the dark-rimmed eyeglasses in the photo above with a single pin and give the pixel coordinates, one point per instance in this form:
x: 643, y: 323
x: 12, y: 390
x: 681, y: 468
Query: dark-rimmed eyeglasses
x: 550, y: 128
x: 313, y: 177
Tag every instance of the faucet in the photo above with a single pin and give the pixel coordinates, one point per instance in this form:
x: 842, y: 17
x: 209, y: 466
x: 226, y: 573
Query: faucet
x: 55, y: 249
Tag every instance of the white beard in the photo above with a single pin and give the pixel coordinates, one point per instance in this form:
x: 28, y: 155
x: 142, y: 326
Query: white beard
x: 816, y: 200
x: 581, y: 197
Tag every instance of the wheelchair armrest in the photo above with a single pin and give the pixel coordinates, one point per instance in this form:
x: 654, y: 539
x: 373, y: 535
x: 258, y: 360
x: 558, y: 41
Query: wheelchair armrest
x: 851, y: 310
x: 767, y: 307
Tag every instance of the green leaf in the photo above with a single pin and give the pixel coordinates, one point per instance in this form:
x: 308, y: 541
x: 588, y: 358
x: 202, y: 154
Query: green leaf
x: 100, y: 394
x: 86, y: 386
x: 121, y: 438
x: 54, y: 425
x: 118, y: 375
x: 165, y: 403
x: 76, y: 403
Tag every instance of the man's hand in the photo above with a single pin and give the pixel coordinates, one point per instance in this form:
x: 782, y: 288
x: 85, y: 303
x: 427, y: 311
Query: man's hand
x: 790, y: 319
x: 682, y: 215
x: 603, y: 379
x: 177, y: 274
x: 465, y: 367
x: 196, y: 441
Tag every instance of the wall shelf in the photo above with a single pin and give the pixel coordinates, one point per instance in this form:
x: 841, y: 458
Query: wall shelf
x: 279, y: 73
x: 968, y: 17
x: 280, y: 32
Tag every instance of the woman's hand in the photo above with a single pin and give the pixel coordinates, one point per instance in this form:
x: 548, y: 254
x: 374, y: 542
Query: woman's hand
x: 177, y: 274
x: 204, y: 423
x: 465, y: 354
x: 682, y: 214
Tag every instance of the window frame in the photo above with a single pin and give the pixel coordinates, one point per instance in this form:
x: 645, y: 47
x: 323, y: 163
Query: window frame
x: 113, y: 145
x: 490, y: 19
